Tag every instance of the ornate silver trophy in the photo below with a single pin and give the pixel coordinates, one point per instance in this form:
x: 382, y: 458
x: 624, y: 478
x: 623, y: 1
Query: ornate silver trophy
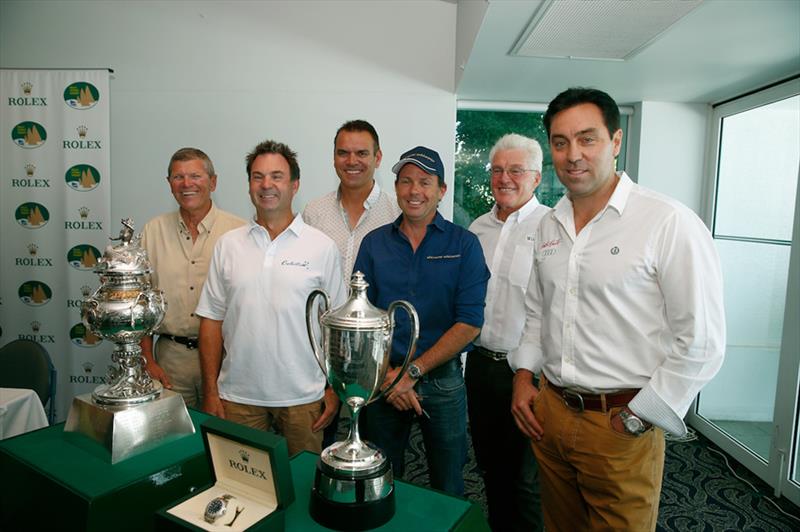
x: 131, y: 412
x: 353, y: 486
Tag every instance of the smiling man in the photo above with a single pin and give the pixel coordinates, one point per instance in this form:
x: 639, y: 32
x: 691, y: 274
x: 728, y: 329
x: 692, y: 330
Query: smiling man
x: 179, y: 245
x: 254, y: 304
x: 507, y: 235
x: 624, y: 321
x: 439, y: 268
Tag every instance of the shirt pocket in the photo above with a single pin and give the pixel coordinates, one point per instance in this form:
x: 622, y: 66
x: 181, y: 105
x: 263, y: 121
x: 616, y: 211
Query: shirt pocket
x: 521, y: 265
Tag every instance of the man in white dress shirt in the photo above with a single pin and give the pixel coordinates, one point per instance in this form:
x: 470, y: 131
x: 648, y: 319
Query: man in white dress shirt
x: 507, y: 235
x: 625, y: 322
x: 254, y: 301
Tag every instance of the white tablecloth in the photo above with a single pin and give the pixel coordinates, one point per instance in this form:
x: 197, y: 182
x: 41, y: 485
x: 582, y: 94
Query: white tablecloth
x: 20, y: 411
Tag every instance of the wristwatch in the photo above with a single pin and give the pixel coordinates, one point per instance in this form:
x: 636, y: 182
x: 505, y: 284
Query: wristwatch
x: 632, y: 423
x: 414, y: 372
x: 217, y: 507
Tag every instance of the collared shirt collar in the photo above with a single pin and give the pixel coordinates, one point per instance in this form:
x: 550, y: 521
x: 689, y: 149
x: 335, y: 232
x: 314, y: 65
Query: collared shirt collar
x: 438, y: 222
x: 206, y: 223
x: 521, y: 213
x: 371, y: 199
x: 617, y: 201
x: 295, y: 227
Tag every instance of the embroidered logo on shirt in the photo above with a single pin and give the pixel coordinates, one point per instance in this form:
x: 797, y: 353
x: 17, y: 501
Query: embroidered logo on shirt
x: 441, y: 257
x: 530, y: 238
x: 296, y: 263
x: 615, y: 250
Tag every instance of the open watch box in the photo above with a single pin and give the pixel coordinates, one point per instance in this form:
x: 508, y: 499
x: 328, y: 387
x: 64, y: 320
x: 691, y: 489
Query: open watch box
x: 251, y: 483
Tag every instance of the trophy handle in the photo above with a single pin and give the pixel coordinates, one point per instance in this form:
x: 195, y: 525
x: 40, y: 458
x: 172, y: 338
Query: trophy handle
x: 412, y: 346
x: 311, y: 336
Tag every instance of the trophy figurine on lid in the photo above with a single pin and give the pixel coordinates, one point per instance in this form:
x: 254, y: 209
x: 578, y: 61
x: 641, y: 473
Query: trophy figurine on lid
x: 353, y: 487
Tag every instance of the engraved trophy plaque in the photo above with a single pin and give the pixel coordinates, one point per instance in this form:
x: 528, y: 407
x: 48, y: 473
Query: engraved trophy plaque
x: 130, y: 413
x: 353, y: 486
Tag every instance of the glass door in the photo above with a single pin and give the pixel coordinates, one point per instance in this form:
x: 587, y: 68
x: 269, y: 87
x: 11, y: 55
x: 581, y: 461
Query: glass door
x: 750, y: 409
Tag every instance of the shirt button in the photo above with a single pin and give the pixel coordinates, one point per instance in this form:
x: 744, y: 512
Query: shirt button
x: 192, y: 314
x: 573, y: 291
x: 188, y: 238
x: 191, y: 288
x: 193, y: 262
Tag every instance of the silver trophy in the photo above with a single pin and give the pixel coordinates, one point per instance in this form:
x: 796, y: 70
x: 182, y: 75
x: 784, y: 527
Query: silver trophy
x: 131, y: 412
x: 353, y: 486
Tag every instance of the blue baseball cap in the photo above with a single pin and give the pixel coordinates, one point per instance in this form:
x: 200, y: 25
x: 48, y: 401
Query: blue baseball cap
x: 425, y: 158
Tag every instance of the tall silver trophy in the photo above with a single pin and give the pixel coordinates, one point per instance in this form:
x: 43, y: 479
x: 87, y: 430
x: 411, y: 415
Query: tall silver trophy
x: 353, y: 486
x: 131, y: 412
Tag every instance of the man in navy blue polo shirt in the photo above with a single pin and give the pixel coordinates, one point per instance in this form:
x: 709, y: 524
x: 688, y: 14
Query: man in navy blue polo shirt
x: 439, y: 268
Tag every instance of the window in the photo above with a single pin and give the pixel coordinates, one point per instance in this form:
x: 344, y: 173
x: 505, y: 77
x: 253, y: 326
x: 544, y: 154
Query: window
x: 476, y: 133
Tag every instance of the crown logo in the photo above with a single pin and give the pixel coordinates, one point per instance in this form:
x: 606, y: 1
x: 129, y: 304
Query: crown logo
x: 82, y: 131
x: 245, y: 455
x: 30, y: 169
x: 83, y: 212
x: 87, y: 367
x: 26, y: 87
x: 35, y: 326
x: 33, y: 249
x: 85, y: 290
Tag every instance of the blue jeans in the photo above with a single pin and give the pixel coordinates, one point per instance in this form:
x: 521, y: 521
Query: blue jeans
x: 444, y: 434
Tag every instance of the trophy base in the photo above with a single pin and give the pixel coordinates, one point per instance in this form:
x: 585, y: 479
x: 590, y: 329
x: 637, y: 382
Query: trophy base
x: 344, y: 502
x: 126, y: 431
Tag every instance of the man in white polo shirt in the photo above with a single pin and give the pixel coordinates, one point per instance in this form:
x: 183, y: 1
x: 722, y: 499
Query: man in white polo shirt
x: 507, y: 235
x: 625, y: 321
x: 254, y: 302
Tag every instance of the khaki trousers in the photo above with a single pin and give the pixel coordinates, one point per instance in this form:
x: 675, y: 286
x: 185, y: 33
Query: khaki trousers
x: 182, y: 365
x: 291, y: 422
x: 592, y: 477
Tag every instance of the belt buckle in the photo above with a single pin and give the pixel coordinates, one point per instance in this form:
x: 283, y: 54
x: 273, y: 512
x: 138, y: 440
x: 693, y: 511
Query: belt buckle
x: 571, y: 395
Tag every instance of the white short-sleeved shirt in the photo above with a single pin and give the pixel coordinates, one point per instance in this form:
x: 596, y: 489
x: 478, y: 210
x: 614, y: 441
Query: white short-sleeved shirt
x: 258, y: 288
x: 508, y: 247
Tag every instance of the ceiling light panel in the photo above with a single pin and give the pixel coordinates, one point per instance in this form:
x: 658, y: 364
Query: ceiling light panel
x: 613, y: 30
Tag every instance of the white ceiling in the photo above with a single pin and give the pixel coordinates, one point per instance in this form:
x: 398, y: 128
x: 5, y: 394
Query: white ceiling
x: 721, y: 49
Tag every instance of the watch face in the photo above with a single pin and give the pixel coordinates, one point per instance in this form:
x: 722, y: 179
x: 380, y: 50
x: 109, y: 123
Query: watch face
x: 632, y: 424
x: 413, y: 372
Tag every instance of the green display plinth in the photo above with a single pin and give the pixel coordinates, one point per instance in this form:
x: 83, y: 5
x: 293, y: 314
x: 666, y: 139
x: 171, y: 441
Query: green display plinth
x: 417, y: 508
x: 52, y: 480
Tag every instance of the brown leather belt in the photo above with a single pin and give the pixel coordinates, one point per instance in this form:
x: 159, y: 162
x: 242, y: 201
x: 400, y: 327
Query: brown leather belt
x: 190, y: 343
x: 494, y: 355
x: 579, y: 401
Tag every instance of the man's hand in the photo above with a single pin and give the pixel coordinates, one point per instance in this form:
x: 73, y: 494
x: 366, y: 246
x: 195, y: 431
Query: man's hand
x: 524, y: 392
x: 406, y: 401
x: 402, y: 396
x: 212, y: 404
x: 157, y: 373
x: 331, y: 406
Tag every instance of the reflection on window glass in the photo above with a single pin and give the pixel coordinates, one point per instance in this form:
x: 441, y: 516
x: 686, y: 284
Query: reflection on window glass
x: 758, y: 171
x: 476, y: 133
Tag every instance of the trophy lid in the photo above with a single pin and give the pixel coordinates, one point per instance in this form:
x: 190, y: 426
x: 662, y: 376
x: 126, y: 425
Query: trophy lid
x: 357, y: 313
x: 126, y: 258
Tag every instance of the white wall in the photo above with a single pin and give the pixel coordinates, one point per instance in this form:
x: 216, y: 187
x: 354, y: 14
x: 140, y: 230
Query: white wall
x: 668, y: 149
x: 222, y: 76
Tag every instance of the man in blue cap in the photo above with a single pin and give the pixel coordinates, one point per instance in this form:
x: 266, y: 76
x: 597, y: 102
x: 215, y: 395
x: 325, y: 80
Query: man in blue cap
x: 439, y: 268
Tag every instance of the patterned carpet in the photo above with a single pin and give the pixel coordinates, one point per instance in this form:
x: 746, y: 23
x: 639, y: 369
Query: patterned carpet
x: 699, y: 492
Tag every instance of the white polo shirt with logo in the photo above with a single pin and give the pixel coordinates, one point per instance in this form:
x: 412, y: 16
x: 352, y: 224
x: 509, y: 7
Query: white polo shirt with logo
x: 258, y: 288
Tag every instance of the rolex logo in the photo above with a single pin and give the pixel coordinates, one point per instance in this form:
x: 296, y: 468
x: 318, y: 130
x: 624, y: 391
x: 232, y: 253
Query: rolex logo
x: 33, y: 249
x: 87, y: 367
x: 82, y: 131
x: 26, y: 87
x: 30, y: 169
x: 244, y: 455
x: 35, y: 326
x: 83, y: 212
x: 85, y: 290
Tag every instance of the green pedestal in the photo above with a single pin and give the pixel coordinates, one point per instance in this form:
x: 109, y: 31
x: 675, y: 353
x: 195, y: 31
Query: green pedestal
x: 54, y: 481
x: 417, y: 508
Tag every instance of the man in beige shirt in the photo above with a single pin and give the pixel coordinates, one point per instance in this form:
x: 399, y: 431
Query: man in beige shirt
x: 180, y: 245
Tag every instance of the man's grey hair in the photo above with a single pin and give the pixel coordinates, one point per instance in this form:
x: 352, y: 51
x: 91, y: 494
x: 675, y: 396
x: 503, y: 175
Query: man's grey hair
x: 513, y: 141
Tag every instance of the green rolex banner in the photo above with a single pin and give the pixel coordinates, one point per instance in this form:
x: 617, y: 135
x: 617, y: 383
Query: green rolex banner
x: 55, y: 200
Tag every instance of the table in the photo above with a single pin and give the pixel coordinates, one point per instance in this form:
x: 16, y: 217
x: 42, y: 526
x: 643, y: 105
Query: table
x: 418, y: 508
x: 21, y: 411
